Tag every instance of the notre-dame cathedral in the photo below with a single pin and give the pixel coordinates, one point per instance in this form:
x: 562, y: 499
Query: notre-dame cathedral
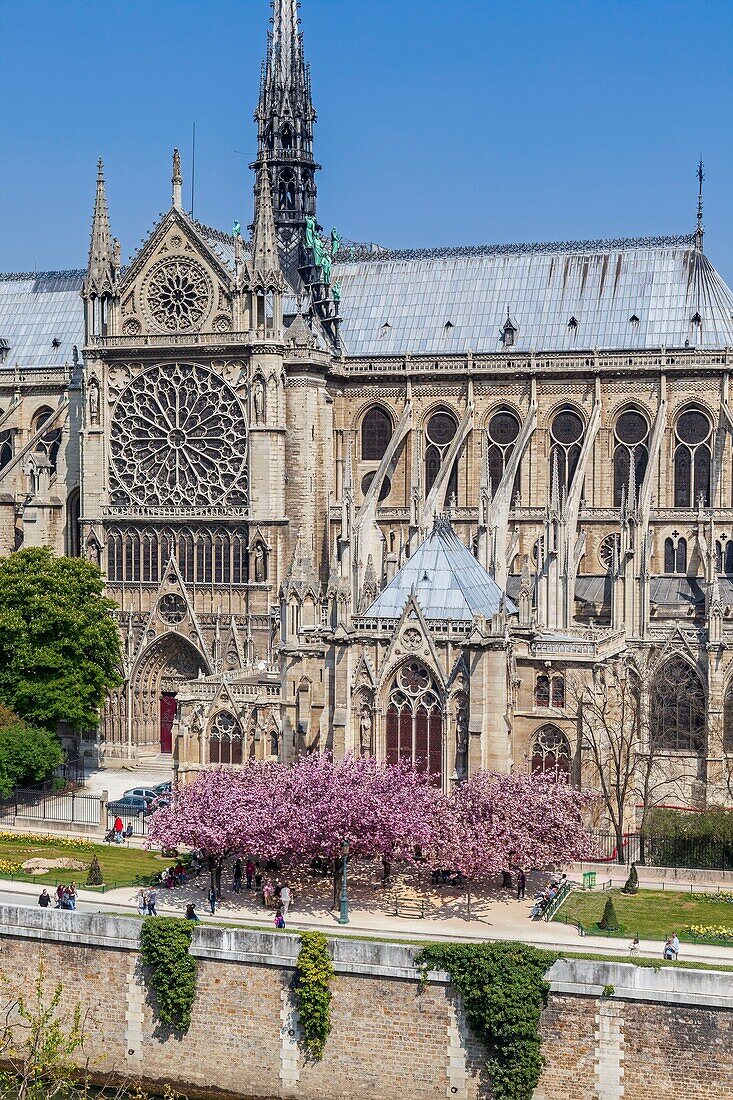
x: 362, y: 500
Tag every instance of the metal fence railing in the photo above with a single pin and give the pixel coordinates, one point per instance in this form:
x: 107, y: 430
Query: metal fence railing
x: 138, y: 823
x: 664, y: 850
x: 64, y: 807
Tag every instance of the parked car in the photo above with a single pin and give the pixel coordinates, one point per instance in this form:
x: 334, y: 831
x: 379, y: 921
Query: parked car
x: 148, y: 793
x: 130, y: 806
x: 163, y: 788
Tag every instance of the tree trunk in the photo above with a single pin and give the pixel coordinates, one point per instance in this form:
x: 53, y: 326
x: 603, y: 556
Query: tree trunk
x: 468, y: 900
x: 218, y: 879
x: 620, y: 855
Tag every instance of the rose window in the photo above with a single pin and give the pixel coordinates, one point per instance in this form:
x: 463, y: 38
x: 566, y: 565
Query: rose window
x: 179, y: 439
x: 178, y: 295
x: 172, y: 608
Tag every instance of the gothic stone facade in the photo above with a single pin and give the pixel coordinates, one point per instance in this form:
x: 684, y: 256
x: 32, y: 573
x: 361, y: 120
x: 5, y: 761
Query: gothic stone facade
x: 254, y: 447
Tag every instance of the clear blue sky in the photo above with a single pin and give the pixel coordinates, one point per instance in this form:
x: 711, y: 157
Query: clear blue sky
x: 440, y: 121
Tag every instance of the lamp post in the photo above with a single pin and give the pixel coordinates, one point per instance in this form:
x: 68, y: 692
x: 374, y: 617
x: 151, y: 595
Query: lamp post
x: 344, y: 914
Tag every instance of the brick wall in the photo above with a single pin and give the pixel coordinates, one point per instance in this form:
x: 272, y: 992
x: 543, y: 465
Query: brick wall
x: 664, y: 1035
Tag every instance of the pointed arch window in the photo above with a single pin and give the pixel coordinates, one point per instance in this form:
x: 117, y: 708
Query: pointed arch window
x: 376, y: 432
x: 677, y: 708
x: 549, y: 690
x: 728, y: 719
x: 631, y: 435
x: 50, y: 442
x: 502, y: 434
x: 414, y: 720
x: 440, y: 432
x: 566, y: 433
x: 225, y: 740
x: 149, y: 556
x: 724, y: 555
x: 114, y: 556
x: 692, y: 459
x: 675, y: 554
x: 551, y: 753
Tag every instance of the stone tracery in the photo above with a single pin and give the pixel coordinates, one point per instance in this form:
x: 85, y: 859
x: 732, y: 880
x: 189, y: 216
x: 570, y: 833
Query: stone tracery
x: 178, y: 294
x: 179, y: 438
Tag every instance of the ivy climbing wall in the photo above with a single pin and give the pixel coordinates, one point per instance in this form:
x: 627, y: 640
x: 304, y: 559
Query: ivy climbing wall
x: 653, y: 1035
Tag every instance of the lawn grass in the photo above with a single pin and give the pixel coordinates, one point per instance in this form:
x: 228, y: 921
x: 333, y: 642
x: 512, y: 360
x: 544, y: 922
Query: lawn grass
x: 650, y: 914
x: 118, y: 863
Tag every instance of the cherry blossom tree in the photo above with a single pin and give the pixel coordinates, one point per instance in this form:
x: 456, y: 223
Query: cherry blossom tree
x: 494, y: 821
x: 305, y: 811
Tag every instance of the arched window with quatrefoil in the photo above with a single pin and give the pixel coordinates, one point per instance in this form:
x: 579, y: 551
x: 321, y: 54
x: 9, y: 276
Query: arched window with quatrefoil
x: 414, y: 730
x: 551, y: 753
x: 225, y: 740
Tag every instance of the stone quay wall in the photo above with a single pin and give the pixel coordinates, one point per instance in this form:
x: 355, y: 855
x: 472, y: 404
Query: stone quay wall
x: 664, y: 1034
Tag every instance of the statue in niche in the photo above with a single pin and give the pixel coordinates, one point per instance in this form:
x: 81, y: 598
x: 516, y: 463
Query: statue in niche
x: 260, y: 565
x: 93, y: 552
x: 462, y: 742
x: 258, y: 399
x: 365, y: 731
x: 273, y: 742
x: 94, y: 401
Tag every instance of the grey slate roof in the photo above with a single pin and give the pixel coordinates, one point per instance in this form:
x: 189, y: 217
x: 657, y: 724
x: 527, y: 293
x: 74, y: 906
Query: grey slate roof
x: 447, y: 580
x: 450, y: 300
x: 35, y: 310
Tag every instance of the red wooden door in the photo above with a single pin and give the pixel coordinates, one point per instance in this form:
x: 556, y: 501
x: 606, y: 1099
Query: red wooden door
x: 167, y: 715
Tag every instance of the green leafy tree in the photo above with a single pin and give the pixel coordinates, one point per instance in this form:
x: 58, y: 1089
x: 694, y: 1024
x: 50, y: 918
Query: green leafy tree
x: 59, y: 645
x: 28, y: 754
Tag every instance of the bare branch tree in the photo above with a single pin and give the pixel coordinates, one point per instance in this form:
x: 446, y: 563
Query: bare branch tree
x: 627, y: 755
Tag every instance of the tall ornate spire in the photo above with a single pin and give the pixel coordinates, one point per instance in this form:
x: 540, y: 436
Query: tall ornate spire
x: 101, y: 273
x: 285, y: 119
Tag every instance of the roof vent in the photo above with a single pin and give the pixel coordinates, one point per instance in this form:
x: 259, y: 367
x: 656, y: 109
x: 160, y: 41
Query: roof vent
x: 385, y: 329
x: 55, y: 343
x: 696, y: 319
x: 573, y: 323
x: 448, y: 326
x: 633, y: 319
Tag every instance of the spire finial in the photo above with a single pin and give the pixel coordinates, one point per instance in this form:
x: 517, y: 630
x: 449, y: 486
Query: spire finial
x: 700, y: 228
x: 102, y: 252
x: 265, y: 259
x: 177, y: 181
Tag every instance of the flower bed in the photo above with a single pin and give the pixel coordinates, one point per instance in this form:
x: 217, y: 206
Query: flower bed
x: 709, y: 932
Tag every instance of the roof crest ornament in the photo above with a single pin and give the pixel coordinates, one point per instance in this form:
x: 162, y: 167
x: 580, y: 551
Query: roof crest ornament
x: 177, y: 181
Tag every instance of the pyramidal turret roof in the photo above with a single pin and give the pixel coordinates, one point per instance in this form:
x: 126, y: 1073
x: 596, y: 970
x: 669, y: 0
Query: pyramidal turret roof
x: 445, y: 578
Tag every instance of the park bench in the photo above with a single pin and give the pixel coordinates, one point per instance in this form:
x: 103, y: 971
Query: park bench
x: 405, y: 906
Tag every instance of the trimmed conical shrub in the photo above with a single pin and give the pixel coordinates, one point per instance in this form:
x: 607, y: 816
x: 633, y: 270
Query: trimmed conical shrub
x: 631, y: 885
x: 94, y: 874
x: 609, y: 920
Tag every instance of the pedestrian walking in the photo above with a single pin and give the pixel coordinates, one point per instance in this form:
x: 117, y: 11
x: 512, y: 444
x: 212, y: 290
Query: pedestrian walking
x: 237, y: 876
x: 250, y: 873
x: 191, y: 913
x: 72, y: 896
x: 676, y: 945
x: 279, y: 918
x: 142, y: 904
x: 285, y: 898
x: 152, y: 899
x: 45, y: 899
x: 521, y: 885
x: 118, y: 827
x: 59, y: 895
x: 212, y: 900
x: 258, y: 876
x: 634, y: 946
